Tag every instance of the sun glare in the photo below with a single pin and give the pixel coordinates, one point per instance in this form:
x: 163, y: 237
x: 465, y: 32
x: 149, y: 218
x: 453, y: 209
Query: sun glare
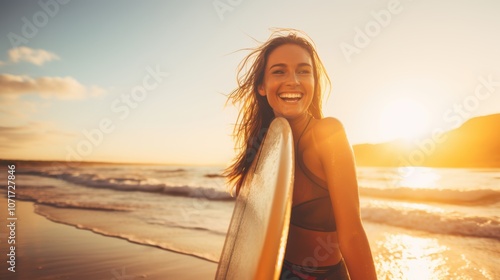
x: 409, y: 257
x: 403, y: 118
x: 418, y: 178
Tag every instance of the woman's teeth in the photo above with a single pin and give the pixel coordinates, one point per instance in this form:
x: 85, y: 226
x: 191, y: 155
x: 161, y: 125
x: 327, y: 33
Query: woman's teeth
x: 291, y: 97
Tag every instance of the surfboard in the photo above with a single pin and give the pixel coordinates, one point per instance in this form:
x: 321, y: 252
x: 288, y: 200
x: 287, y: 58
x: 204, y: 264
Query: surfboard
x: 256, y: 239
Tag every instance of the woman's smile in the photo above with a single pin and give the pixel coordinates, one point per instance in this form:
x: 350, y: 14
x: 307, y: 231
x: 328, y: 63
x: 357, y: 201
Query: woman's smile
x: 288, y: 81
x: 291, y: 97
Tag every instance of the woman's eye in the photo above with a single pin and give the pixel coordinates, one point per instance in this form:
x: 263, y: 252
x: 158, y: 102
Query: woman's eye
x: 278, y: 72
x: 304, y: 72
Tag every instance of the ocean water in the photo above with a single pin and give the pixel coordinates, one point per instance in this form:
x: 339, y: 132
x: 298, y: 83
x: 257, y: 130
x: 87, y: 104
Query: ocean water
x: 422, y: 223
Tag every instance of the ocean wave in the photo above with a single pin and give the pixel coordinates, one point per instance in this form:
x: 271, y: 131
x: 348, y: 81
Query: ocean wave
x: 480, y: 196
x: 172, y: 224
x: 31, y: 193
x: 177, y: 170
x: 84, y: 206
x: 197, y: 192
x: 435, y: 222
x: 134, y: 184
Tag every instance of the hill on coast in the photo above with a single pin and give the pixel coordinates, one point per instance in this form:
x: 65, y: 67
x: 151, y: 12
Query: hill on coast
x: 476, y: 143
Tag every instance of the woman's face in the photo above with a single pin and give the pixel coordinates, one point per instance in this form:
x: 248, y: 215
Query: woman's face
x: 288, y: 81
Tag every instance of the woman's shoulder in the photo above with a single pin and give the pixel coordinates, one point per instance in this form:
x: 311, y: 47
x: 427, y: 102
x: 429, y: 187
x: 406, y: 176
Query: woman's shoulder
x: 327, y: 127
x: 330, y: 138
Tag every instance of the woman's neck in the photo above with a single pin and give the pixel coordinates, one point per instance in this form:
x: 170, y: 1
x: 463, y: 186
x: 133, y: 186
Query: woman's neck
x: 298, y: 124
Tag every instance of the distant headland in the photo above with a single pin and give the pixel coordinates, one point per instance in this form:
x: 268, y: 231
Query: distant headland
x: 476, y: 143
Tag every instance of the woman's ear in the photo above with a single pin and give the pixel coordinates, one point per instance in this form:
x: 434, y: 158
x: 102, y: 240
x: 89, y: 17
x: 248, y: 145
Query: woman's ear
x: 261, y: 90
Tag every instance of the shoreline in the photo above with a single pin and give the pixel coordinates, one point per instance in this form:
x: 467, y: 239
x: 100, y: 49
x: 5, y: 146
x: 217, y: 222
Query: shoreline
x: 116, y: 236
x: 47, y: 249
x: 50, y: 249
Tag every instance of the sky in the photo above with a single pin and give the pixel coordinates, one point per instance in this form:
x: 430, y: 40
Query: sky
x: 145, y: 81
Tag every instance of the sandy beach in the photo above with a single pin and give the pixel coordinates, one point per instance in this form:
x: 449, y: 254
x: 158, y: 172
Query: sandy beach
x: 87, y: 223
x: 49, y: 250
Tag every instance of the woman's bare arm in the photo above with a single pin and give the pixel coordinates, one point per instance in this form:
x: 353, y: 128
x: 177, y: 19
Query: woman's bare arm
x: 337, y: 161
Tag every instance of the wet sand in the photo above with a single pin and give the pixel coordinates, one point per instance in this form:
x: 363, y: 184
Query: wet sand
x: 49, y: 250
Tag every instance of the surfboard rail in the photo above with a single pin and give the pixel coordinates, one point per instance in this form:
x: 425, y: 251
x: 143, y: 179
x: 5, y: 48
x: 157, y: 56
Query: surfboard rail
x: 256, y: 240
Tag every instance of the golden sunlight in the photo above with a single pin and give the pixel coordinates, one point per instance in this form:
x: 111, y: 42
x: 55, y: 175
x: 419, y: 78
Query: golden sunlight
x: 419, y: 178
x: 408, y: 257
x: 403, y: 118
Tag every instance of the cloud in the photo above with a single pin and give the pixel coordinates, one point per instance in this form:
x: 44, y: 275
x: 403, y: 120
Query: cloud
x: 2, y: 63
x: 47, y: 87
x: 35, y: 56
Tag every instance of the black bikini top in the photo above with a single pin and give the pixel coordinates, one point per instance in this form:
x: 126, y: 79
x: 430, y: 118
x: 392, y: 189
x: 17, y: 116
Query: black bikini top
x: 317, y: 213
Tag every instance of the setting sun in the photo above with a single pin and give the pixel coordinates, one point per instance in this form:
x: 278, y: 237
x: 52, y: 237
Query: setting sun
x: 403, y: 118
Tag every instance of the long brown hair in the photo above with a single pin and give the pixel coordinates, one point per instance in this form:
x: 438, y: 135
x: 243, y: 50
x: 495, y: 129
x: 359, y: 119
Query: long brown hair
x: 255, y: 115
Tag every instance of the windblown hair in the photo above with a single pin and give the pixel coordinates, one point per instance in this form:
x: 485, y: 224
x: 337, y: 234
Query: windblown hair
x: 256, y: 114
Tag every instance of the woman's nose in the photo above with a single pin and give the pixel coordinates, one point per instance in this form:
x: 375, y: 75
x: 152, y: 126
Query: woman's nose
x: 293, y: 79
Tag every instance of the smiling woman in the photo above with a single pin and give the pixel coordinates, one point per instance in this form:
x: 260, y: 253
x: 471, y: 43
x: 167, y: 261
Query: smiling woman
x: 403, y: 118
x: 284, y: 79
